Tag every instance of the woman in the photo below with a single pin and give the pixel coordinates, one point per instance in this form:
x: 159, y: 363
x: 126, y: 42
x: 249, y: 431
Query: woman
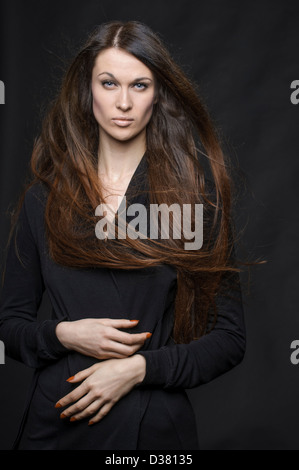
x: 135, y: 320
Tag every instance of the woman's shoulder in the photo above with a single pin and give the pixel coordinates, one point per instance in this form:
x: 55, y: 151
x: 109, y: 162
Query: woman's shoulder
x: 34, y: 204
x: 28, y: 215
x: 35, y: 196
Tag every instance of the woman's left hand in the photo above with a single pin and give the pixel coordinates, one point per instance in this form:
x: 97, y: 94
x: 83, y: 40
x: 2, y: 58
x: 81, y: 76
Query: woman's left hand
x: 103, y: 385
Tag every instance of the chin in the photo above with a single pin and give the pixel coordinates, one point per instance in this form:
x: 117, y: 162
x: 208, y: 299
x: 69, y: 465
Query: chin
x: 122, y: 137
x: 119, y: 138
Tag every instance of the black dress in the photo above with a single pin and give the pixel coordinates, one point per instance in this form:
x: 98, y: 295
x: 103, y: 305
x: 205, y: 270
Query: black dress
x: 154, y: 415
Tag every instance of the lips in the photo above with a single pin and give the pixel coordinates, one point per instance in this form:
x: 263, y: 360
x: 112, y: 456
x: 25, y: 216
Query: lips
x: 122, y: 121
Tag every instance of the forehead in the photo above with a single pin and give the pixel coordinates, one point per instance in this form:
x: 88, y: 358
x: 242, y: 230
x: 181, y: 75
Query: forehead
x: 121, y: 64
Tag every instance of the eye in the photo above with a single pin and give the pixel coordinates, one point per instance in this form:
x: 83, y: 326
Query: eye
x: 108, y: 84
x: 140, y: 86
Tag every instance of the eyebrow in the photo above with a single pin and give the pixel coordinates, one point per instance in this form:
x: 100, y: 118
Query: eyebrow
x: 135, y: 80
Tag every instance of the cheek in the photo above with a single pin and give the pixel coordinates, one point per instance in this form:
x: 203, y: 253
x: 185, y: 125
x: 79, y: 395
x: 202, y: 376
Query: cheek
x: 97, y: 107
x: 147, y: 109
x: 100, y: 105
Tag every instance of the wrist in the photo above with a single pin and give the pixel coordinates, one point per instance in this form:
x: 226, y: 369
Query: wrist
x: 138, y: 365
x: 62, y: 333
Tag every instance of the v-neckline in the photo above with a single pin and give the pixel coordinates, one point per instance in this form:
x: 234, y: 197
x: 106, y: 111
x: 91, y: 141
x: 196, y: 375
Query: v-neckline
x: 134, y: 178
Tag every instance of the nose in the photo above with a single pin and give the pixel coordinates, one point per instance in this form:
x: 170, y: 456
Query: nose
x: 124, y: 101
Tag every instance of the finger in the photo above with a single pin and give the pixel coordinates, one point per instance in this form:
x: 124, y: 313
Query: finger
x: 129, y: 338
x: 82, y: 374
x: 77, y: 408
x: 91, y: 409
x: 101, y: 414
x: 118, y: 323
x: 73, y: 396
x: 119, y: 350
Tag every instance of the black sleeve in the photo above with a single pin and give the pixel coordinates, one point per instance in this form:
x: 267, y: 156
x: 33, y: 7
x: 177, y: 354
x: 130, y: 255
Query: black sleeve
x: 200, y: 361
x: 25, y: 338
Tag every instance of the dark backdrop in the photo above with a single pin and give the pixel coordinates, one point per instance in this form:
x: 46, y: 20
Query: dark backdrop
x: 244, y: 55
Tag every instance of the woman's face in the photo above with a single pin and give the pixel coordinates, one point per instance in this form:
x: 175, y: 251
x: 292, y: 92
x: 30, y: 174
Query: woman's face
x: 123, y: 90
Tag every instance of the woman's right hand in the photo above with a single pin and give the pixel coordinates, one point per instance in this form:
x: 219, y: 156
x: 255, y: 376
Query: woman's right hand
x: 101, y: 338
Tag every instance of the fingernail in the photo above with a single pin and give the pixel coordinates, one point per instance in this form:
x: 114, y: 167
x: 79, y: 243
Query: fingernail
x: 148, y: 335
x: 62, y: 416
x: 90, y: 423
x: 70, y: 378
x: 58, y: 405
x: 135, y: 320
x: 73, y: 418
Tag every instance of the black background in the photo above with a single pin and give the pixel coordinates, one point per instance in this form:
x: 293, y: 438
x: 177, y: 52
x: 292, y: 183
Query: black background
x: 244, y: 55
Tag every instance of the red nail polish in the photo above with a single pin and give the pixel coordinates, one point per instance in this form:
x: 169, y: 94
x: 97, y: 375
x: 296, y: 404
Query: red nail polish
x: 70, y: 378
x: 58, y: 405
x: 148, y: 335
x: 135, y: 320
x: 73, y: 419
x: 62, y: 416
x: 90, y: 422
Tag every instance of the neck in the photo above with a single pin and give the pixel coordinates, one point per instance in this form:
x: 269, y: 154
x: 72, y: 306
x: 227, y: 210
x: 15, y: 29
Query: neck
x: 118, y: 159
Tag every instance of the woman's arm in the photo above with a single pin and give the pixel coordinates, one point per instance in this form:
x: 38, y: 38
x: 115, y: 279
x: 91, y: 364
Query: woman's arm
x: 27, y: 340
x: 202, y: 360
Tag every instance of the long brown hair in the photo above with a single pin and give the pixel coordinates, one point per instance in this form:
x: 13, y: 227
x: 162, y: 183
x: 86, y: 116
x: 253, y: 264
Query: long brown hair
x: 180, y: 141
